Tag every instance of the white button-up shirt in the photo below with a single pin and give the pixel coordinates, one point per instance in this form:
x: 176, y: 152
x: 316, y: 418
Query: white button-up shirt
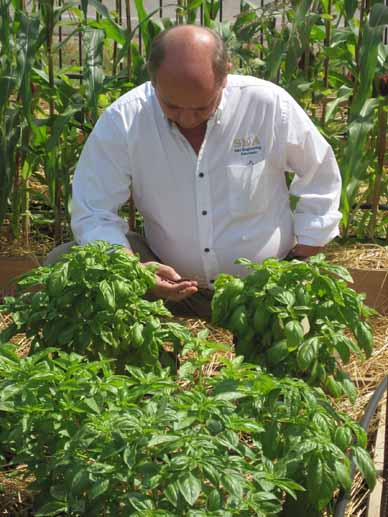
x: 202, y: 212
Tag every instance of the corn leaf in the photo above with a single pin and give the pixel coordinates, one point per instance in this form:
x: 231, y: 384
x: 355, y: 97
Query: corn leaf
x: 94, y: 42
x: 371, y: 40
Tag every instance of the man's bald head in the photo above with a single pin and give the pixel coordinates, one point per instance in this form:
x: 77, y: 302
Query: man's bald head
x: 190, y: 52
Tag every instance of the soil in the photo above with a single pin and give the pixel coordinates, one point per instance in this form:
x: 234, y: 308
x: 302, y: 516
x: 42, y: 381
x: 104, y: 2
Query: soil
x: 15, y: 497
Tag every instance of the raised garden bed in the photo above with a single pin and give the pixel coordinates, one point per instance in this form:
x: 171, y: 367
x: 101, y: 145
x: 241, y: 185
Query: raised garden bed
x: 368, y: 265
x: 366, y: 375
x: 10, y: 268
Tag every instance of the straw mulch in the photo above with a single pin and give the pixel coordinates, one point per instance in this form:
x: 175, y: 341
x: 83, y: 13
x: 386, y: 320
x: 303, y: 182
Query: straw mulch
x: 15, y: 497
x: 358, y: 256
x: 42, y: 244
x: 367, y: 376
x: 20, y: 340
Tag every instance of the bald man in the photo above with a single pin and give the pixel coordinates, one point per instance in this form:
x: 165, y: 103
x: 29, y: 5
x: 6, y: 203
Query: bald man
x: 204, y: 155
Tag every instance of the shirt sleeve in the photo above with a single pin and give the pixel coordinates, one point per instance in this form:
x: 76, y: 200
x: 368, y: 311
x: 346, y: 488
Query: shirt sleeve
x: 102, y: 184
x: 317, y: 179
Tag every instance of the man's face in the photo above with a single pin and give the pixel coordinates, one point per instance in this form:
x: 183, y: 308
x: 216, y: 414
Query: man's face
x: 188, y: 105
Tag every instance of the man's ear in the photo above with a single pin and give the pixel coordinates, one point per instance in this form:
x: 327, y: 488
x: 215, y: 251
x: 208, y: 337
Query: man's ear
x: 152, y: 79
x: 225, y: 80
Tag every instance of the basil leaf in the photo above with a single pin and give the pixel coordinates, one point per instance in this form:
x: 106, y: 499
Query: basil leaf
x: 190, y: 488
x: 365, y: 465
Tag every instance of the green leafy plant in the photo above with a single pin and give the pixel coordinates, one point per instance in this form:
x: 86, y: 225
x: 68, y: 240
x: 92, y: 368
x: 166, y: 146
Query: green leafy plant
x: 20, y: 41
x: 291, y: 317
x: 93, y: 302
x: 241, y: 442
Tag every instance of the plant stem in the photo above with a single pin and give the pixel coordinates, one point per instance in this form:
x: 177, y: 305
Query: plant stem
x: 16, y: 197
x: 119, y: 20
x: 50, y: 60
x: 129, y: 28
x: 179, y: 10
x: 60, y: 38
x: 363, y: 13
x: 132, y: 208
x: 132, y: 215
x: 26, y: 192
x: 27, y: 214
x: 380, y: 150
x: 326, y: 44
x: 307, y: 63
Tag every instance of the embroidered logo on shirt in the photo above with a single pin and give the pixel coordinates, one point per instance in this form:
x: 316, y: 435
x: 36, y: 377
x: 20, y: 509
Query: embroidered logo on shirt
x: 247, y: 145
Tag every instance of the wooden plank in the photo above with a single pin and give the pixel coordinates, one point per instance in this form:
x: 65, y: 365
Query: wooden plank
x: 374, y: 283
x: 374, y: 506
x: 11, y: 268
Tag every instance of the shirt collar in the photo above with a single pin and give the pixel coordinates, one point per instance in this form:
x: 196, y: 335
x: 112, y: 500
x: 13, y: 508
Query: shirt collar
x: 220, y: 108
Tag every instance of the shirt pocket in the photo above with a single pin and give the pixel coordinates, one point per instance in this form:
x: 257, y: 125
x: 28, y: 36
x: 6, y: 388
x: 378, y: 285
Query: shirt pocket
x: 248, y: 189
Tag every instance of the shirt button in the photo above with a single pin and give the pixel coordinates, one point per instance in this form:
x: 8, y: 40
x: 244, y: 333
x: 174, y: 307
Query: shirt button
x: 204, y: 212
x: 201, y: 174
x: 206, y: 250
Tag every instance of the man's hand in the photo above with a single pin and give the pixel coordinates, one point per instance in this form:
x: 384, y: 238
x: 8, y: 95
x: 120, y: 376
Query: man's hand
x: 170, y: 285
x: 303, y: 251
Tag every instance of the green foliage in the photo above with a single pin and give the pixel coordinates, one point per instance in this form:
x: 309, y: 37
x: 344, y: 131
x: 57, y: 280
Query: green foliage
x: 153, y: 441
x: 241, y: 442
x: 363, y: 109
x: 291, y: 318
x: 19, y: 43
x: 92, y: 302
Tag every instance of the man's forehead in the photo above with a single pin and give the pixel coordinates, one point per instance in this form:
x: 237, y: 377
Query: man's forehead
x: 198, y: 71
x: 189, y: 88
x: 193, y: 101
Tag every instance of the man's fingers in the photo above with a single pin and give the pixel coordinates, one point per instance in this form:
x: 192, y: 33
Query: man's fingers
x: 170, y: 285
x: 174, y: 291
x: 181, y: 295
x: 180, y: 288
x: 166, y: 271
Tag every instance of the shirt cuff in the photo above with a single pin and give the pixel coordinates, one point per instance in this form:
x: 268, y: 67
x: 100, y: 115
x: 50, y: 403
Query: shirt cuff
x: 111, y: 235
x: 316, y: 230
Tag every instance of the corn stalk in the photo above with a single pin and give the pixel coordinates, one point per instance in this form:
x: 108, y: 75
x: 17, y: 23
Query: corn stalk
x: 380, y: 151
x: 19, y: 43
x: 362, y: 112
x: 326, y: 63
